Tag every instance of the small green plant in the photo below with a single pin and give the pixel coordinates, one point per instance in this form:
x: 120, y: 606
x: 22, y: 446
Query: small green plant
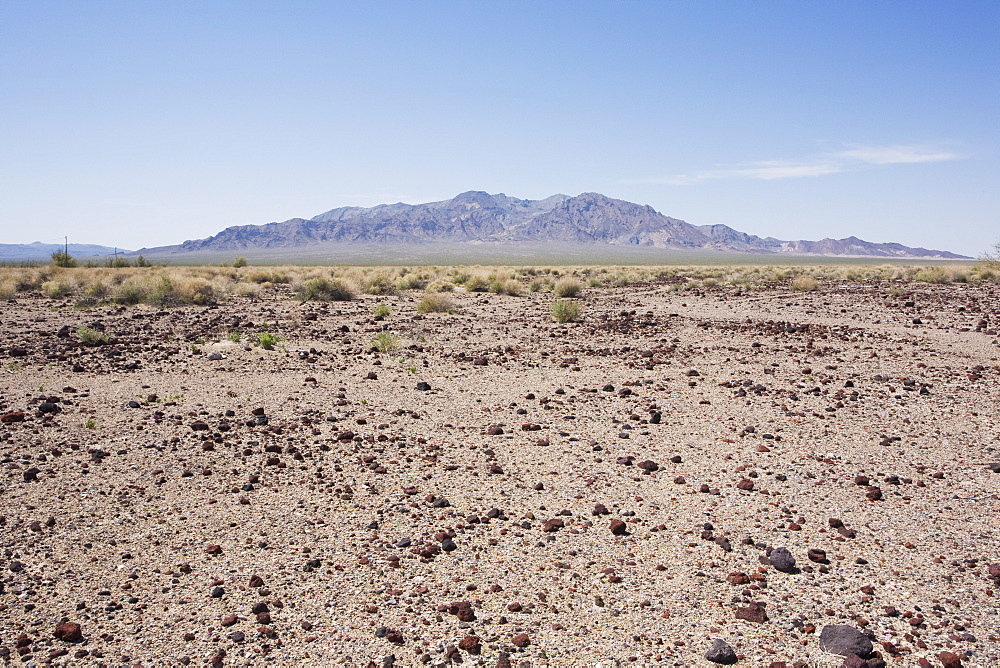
x: 90, y: 424
x: 566, y: 311
x: 140, y: 261
x: 234, y: 337
x: 411, y: 370
x: 385, y: 342
x: 381, y: 311
x: 238, y: 262
x: 268, y: 340
x: 12, y: 367
x: 175, y: 397
x: 89, y: 336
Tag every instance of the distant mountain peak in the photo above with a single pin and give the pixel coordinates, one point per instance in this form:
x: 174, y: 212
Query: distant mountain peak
x: 476, y: 216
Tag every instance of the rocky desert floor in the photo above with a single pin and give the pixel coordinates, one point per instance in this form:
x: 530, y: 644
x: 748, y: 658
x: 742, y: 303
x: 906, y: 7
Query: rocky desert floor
x: 502, y: 489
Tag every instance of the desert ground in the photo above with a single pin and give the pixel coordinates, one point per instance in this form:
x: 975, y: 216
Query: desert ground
x: 482, y: 485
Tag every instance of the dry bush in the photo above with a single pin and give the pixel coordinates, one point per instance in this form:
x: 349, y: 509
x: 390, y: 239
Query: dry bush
x: 566, y: 311
x: 568, y: 287
x: 55, y: 289
x: 412, y: 281
x: 324, y: 289
x: 804, y: 284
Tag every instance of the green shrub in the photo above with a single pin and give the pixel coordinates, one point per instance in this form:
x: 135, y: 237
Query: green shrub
x: 411, y: 282
x: 476, y: 283
x: 804, y: 284
x: 267, y: 340
x: 381, y: 311
x: 566, y: 311
x: 63, y: 259
x: 238, y: 262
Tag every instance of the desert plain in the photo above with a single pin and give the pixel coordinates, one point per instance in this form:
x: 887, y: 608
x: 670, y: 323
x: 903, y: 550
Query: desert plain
x: 486, y: 486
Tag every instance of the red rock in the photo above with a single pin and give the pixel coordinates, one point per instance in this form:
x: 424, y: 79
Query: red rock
x: 618, y: 527
x: 520, y: 640
x: 746, y: 484
x: 752, y: 613
x: 949, y: 659
x: 470, y: 644
x: 228, y: 620
x: 8, y: 418
x: 214, y: 549
x: 256, y: 581
x: 69, y: 632
x: 553, y: 525
x: 738, y: 578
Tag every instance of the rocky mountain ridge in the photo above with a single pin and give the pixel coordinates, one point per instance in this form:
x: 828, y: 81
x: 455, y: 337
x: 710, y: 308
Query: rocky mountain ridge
x: 481, y: 218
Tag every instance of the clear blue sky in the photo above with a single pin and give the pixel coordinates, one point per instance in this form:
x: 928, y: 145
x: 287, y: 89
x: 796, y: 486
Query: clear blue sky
x: 139, y: 123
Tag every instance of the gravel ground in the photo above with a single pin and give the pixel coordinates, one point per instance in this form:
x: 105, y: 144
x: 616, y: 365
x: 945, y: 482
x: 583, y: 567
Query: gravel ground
x: 501, y: 489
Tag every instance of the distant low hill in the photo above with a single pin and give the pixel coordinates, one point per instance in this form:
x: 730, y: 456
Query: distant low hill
x: 40, y: 251
x: 477, y: 217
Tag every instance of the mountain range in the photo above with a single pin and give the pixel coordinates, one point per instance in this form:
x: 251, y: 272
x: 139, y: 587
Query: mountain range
x: 476, y: 217
x: 39, y: 251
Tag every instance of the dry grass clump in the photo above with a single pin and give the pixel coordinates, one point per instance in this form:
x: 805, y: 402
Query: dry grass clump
x: 435, y: 302
x: 568, y: 287
x: 265, y: 275
x: 412, y: 281
x: 55, y: 289
x: 477, y: 283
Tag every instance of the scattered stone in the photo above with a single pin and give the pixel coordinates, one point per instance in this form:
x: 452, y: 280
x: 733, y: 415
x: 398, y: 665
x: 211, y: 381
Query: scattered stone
x: 618, y: 527
x: 69, y: 632
x: 782, y: 559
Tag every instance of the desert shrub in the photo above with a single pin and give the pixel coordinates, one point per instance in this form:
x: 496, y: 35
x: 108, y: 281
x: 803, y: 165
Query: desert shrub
x: 140, y: 261
x: 568, y: 287
x: 411, y: 282
x: 247, y: 290
x: 63, y: 259
x: 385, y: 342
x: 378, y: 283
x: 477, y: 283
x: 381, y: 311
x: 325, y: 290
x: 196, y: 291
x: 89, y: 336
x: 441, y: 286
x: 8, y: 288
x: 117, y: 262
x: 264, y: 275
x: 507, y: 286
x: 435, y: 303
x: 55, y: 289
x: 932, y: 275
x: 804, y: 284
x: 566, y: 311
x: 133, y: 290
x: 237, y: 263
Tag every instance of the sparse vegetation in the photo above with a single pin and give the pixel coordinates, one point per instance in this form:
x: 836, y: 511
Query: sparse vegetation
x: 55, y: 289
x: 566, y: 311
x: 89, y: 336
x: 385, y: 342
x: 381, y: 311
x: 325, y: 290
x: 435, y: 303
x: 237, y: 263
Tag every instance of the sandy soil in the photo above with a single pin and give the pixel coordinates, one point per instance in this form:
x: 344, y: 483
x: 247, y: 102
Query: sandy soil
x: 606, y: 491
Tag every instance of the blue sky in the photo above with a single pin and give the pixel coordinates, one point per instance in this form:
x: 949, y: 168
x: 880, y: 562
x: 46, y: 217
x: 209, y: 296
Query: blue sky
x: 147, y: 123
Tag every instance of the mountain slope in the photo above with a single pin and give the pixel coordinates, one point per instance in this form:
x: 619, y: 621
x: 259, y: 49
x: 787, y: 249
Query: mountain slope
x: 478, y: 217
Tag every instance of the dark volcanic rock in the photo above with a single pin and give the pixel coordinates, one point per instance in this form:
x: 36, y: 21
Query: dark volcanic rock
x: 720, y: 652
x: 844, y: 640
